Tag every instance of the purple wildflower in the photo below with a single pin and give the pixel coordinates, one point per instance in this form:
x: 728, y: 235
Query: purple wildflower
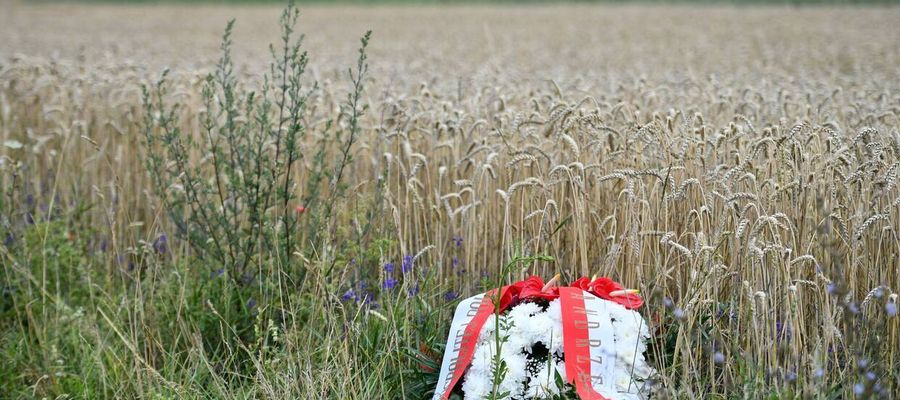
x: 251, y: 304
x: 454, y: 262
x: 161, y: 244
x: 819, y: 373
x: 891, y: 309
x: 348, y: 295
x: 450, y: 296
x: 790, y: 376
x: 783, y: 331
x: 458, y: 241
x: 871, y: 376
x: 9, y: 240
x: 407, y: 264
x: 718, y: 358
x: 859, y: 389
x: 389, y: 284
x: 668, y: 302
x: 679, y: 313
x: 217, y: 273
x: 413, y: 291
x: 389, y: 267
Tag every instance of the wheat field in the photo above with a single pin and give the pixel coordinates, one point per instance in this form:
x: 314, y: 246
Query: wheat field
x: 738, y: 165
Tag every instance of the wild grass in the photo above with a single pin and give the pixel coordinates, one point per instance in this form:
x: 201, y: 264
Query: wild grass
x: 758, y: 217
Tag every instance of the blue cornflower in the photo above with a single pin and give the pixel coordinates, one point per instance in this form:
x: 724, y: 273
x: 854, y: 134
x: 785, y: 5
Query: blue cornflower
x: 389, y: 283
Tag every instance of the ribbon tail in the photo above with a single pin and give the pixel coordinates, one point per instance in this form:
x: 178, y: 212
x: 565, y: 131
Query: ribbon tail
x: 469, y: 340
x: 576, y: 343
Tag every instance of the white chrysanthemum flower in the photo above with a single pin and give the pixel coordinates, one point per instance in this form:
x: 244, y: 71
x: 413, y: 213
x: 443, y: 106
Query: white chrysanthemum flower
x: 482, y: 359
x: 556, y: 339
x: 487, y: 331
x: 476, y: 386
x: 523, y: 311
x: 515, y: 376
x: 532, y: 342
x: 538, y: 328
x: 554, y: 310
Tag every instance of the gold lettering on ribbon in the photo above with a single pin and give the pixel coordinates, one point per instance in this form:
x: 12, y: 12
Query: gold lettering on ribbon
x: 583, y: 311
x: 583, y: 324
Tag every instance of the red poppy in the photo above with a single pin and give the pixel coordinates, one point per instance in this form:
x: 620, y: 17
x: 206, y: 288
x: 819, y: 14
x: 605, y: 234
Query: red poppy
x: 300, y: 209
